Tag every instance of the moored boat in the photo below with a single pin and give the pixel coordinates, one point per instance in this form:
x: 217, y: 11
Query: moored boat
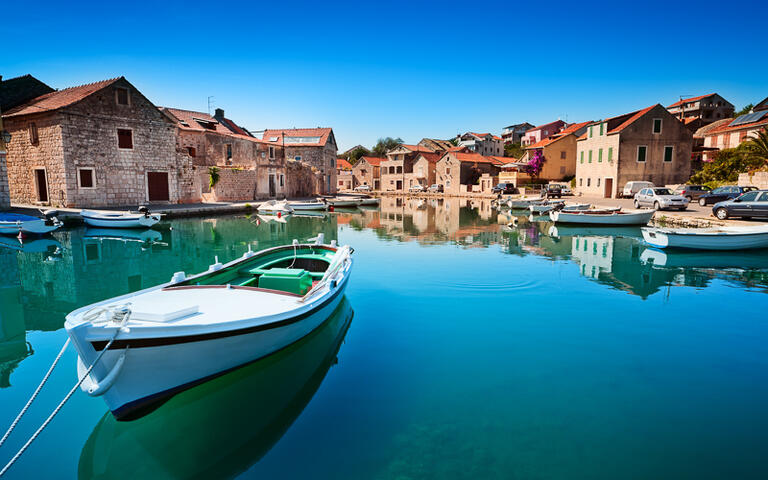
x: 143, y: 219
x: 595, y: 217
x: 15, y: 223
x: 147, y: 345
x: 544, y: 207
x: 720, y: 238
x: 343, y: 202
x: 569, y: 207
x: 364, y: 198
x: 312, y: 205
x: 275, y: 207
x: 523, y: 203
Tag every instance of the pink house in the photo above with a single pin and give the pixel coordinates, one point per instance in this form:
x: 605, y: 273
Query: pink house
x: 541, y: 132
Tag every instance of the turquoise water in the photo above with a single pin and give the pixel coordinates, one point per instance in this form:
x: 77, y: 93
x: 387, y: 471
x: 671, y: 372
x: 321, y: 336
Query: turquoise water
x: 464, y: 349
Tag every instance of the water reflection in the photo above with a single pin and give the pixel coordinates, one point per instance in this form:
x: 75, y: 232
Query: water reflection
x: 221, y: 428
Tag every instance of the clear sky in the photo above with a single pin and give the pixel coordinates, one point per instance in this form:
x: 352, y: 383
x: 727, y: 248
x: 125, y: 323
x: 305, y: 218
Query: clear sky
x: 400, y: 69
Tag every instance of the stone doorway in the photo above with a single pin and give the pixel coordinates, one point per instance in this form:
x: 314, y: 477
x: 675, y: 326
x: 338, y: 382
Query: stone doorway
x: 157, y: 187
x: 272, y: 191
x: 608, y: 193
x: 41, y: 183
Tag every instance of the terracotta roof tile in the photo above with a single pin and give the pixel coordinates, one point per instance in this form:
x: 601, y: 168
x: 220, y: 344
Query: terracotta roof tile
x: 727, y: 127
x: 375, y: 161
x: 629, y: 121
x: 689, y: 100
x: 343, y: 164
x: 190, y: 120
x: 324, y: 135
x: 476, y: 158
x: 417, y: 148
x: 431, y: 157
x: 59, y: 99
x: 543, y: 126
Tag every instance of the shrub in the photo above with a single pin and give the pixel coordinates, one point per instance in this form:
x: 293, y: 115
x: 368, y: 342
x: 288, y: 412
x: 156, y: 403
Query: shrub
x: 214, y: 173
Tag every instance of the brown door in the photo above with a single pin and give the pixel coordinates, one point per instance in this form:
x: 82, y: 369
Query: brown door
x: 272, y: 191
x: 608, y: 188
x: 157, y: 186
x: 42, y: 185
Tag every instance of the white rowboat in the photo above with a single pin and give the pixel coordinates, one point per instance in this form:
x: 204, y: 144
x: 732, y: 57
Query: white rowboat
x: 307, y: 206
x: 120, y: 219
x: 274, y: 207
x: 722, y: 238
x: 343, y: 202
x: 636, y: 217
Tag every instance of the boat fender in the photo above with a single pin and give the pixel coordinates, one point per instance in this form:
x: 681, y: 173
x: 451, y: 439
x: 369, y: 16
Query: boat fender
x: 178, y: 277
x: 100, y: 388
x: 216, y: 266
x: 279, y: 214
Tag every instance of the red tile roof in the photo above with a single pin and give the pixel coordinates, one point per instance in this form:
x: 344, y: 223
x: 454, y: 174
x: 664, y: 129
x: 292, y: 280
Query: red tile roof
x: 726, y: 127
x: 483, y: 135
x: 476, y: 158
x: 632, y: 119
x: 59, y: 99
x: 573, y: 128
x: 689, y: 100
x: 417, y: 148
x: 430, y: 156
x: 343, y: 164
x: 324, y: 135
x: 543, y: 126
x: 375, y: 161
x: 190, y: 123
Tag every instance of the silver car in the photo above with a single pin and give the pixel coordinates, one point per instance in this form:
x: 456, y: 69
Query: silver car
x: 660, y: 198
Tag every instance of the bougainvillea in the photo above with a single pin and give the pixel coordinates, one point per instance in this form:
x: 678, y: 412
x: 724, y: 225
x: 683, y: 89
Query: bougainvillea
x: 536, y: 163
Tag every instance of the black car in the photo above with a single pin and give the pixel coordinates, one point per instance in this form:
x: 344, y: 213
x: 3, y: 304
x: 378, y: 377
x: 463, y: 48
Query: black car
x: 751, y: 204
x: 553, y: 190
x: 723, y: 193
x: 505, y: 188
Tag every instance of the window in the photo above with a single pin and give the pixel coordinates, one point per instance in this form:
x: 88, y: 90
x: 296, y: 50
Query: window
x: 33, y: 137
x: 598, y: 182
x: 333, y: 163
x: 229, y: 151
x: 124, y: 138
x: 590, y: 131
x: 656, y: 125
x: 590, y: 157
x: 562, y: 155
x: 192, y: 152
x: 589, y: 180
x: 282, y: 180
x: 668, y: 151
x: 271, y: 153
x: 297, y: 158
x: 581, y: 157
x: 749, y: 197
x: 641, y: 151
x: 447, y: 171
x: 600, y: 154
x: 85, y: 178
x: 562, y: 170
x: 601, y: 128
x: 581, y: 182
x: 121, y: 96
x: 610, y: 154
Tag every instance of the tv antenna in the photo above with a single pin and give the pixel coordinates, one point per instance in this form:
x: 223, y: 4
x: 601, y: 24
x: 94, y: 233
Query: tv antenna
x: 210, y: 103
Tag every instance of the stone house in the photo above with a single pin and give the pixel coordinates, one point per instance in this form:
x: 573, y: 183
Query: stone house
x: 459, y: 172
x: 731, y: 132
x: 558, y: 151
x: 315, y: 147
x: 248, y: 168
x: 367, y: 171
x: 482, y: 143
x: 96, y: 145
x: 650, y: 144
x: 436, y: 145
x: 398, y: 165
x: 344, y: 174
x: 541, y: 132
x: 514, y: 133
x: 5, y: 194
x: 702, y: 110
x: 424, y: 170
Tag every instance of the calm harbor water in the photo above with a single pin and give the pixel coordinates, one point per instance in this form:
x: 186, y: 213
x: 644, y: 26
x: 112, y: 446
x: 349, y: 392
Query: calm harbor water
x: 464, y: 349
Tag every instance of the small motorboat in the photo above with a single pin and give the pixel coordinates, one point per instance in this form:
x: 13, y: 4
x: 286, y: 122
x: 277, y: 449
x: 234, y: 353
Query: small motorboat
x: 365, y: 199
x: 720, y: 238
x: 524, y: 203
x: 341, y: 202
x: 275, y: 207
x: 544, y: 207
x: 597, y: 217
x: 16, y: 223
x: 570, y: 207
x: 143, y: 219
x: 142, y: 347
x: 308, y: 206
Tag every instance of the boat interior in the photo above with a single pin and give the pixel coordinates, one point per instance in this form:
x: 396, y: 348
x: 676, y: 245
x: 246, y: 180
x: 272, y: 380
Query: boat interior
x: 287, y: 270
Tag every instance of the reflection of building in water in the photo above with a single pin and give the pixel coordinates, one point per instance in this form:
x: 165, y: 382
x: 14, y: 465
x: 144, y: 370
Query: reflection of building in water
x: 595, y: 254
x: 93, y: 268
x: 13, y: 342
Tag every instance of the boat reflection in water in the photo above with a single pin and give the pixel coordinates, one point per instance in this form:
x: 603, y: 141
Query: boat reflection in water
x: 146, y: 237
x: 744, y: 260
x: 224, y: 426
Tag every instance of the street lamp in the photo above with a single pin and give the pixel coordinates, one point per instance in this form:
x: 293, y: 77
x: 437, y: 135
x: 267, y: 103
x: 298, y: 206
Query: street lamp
x: 6, y: 135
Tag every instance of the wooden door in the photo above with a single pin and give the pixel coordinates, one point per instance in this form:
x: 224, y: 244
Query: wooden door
x: 42, y: 185
x: 272, y: 191
x: 157, y: 186
x: 608, y: 188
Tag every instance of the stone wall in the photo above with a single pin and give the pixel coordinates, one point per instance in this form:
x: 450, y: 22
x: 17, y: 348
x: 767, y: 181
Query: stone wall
x: 235, y: 185
x: 302, y: 180
x: 757, y: 179
x: 5, y: 194
x: 323, y: 159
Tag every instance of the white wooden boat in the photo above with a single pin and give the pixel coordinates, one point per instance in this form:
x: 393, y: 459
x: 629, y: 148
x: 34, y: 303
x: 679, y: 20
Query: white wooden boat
x: 343, y: 202
x: 721, y: 238
x: 594, y: 217
x: 275, y: 207
x: 544, y: 207
x: 308, y: 206
x: 16, y: 223
x: 365, y: 199
x: 524, y: 203
x: 147, y: 345
x: 143, y: 219
x: 569, y: 207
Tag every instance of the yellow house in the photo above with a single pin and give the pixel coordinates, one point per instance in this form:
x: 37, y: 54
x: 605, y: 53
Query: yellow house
x: 559, y: 152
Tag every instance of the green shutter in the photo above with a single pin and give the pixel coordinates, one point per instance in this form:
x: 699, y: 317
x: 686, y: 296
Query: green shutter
x: 610, y: 154
x: 600, y: 154
x: 601, y: 128
x: 582, y: 156
x: 590, y: 156
x: 590, y: 131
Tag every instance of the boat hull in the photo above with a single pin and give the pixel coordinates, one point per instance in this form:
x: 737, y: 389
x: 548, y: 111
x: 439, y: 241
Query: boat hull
x: 616, y: 218
x: 705, y: 241
x: 175, y: 362
x: 308, y: 206
x: 344, y: 203
x: 94, y: 219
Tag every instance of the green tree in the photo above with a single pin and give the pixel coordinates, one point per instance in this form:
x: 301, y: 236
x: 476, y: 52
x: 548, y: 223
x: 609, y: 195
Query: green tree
x: 744, y: 110
x: 757, y: 147
x: 355, y: 155
x: 384, y: 145
x: 513, y: 150
x: 728, y: 164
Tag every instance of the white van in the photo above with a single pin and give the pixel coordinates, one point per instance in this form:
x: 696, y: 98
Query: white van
x: 631, y: 188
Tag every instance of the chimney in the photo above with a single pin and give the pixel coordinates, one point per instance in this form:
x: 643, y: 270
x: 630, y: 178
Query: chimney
x: 218, y: 114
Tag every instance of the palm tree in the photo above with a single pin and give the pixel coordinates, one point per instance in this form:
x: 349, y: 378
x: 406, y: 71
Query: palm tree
x: 758, y: 146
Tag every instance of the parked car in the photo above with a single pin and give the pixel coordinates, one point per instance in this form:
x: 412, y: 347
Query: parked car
x: 751, y: 204
x: 726, y: 192
x: 554, y: 190
x: 504, y: 188
x: 660, y: 198
x: 692, y: 192
x: 416, y: 188
x: 363, y: 188
x: 436, y: 188
x: 567, y: 190
x: 631, y: 188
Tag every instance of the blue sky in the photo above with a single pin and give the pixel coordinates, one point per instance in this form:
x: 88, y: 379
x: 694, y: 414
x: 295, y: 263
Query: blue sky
x: 406, y: 69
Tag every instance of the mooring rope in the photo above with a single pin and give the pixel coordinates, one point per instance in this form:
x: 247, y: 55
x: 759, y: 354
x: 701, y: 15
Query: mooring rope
x: 124, y: 320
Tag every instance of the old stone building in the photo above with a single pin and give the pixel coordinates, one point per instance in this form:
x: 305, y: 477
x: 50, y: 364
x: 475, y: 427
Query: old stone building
x: 315, y: 147
x: 398, y: 167
x: 367, y: 171
x: 343, y: 174
x: 650, y: 144
x: 246, y: 167
x: 95, y: 145
x: 482, y: 143
x: 460, y: 172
